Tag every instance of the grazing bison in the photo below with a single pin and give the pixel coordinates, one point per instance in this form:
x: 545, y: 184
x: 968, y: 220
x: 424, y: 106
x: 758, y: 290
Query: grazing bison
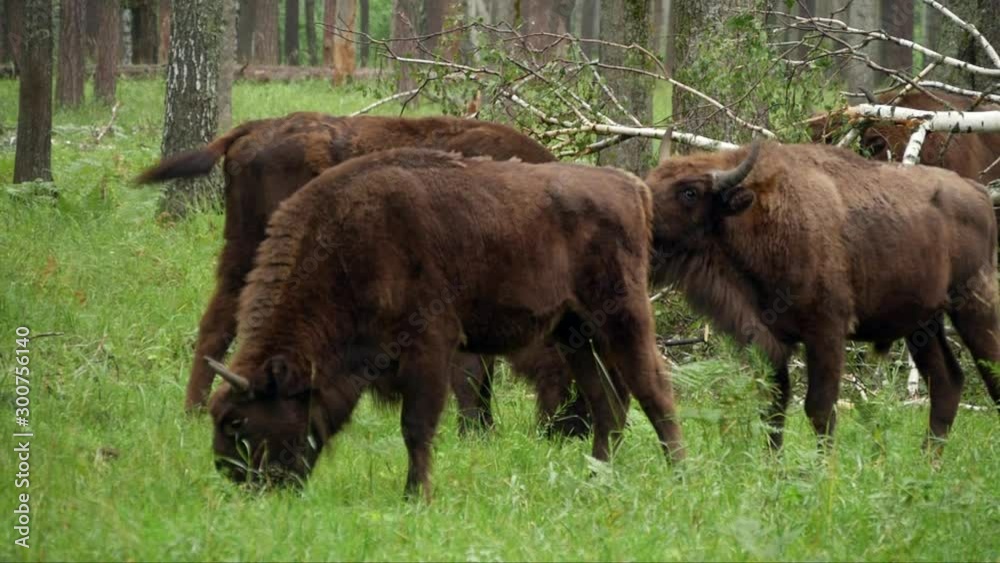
x: 374, y: 273
x: 968, y: 154
x: 268, y: 160
x: 813, y: 244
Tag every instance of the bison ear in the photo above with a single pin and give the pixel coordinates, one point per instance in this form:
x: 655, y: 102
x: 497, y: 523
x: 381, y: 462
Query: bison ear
x: 736, y: 200
x: 283, y: 380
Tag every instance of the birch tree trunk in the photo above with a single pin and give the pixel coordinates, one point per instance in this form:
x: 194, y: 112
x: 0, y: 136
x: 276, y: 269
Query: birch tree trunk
x: 191, y: 116
x: 33, y: 154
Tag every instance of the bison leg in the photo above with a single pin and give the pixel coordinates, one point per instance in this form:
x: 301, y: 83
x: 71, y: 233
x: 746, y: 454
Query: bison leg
x: 936, y: 363
x: 980, y: 331
x: 633, y: 352
x: 606, y: 404
x: 774, y: 416
x: 425, y: 392
x: 472, y: 383
x: 218, y: 324
x: 824, y: 366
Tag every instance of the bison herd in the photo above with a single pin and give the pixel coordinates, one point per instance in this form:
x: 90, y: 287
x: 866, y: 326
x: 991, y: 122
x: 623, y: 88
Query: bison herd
x: 402, y: 256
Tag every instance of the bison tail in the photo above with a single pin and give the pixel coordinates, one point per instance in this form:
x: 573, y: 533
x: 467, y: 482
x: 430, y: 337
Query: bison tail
x: 197, y: 162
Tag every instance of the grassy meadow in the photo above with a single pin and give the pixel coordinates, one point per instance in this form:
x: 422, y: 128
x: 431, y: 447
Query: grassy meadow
x: 119, y: 472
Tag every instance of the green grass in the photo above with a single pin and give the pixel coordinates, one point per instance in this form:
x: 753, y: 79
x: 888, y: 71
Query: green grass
x: 119, y: 472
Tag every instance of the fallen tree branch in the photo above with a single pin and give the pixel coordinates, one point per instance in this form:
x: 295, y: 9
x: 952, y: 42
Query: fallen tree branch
x: 104, y: 131
x: 947, y: 121
x: 384, y: 100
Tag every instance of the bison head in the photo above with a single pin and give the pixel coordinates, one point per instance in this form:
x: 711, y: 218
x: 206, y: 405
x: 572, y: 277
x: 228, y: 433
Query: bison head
x: 263, y: 430
x: 690, y: 196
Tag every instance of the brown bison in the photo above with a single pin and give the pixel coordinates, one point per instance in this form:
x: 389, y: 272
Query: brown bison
x: 968, y: 154
x: 813, y: 244
x: 374, y: 273
x: 268, y: 160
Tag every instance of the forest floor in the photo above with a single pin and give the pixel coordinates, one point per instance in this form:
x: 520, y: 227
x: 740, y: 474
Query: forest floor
x: 119, y: 472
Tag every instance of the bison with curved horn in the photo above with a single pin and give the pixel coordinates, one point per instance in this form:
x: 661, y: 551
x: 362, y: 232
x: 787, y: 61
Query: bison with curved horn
x: 813, y: 244
x: 377, y: 271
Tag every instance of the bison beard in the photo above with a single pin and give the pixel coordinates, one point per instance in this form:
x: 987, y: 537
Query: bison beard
x: 268, y: 160
x: 538, y: 251
x: 849, y: 248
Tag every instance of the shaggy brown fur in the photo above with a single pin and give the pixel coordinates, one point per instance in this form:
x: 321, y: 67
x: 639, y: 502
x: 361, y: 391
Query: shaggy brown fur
x: 268, y: 160
x: 374, y: 273
x: 968, y: 154
x: 818, y: 245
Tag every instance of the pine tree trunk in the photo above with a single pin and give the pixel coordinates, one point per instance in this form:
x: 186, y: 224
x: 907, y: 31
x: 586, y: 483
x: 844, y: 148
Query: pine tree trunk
x: 108, y: 51
x: 227, y: 64
x: 265, y: 37
x: 191, y: 116
x: 343, y: 46
x: 897, y: 20
x: 145, y: 31
x: 365, y: 10
x: 163, y: 51
x: 627, y: 22
x: 329, y: 23
x: 92, y: 28
x: 292, y: 32
x: 69, y: 81
x: 405, y: 23
x: 33, y: 154
x: 244, y: 32
x: 311, y: 32
x: 4, y: 50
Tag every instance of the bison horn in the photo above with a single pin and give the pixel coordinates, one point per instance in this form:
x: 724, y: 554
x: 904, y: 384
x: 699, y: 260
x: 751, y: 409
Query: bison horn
x: 237, y: 381
x: 869, y: 96
x: 731, y: 178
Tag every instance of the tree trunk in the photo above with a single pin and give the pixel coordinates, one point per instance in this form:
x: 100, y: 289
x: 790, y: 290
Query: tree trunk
x: 15, y: 31
x: 108, y: 51
x: 311, y: 32
x: 93, y: 27
x: 405, y: 23
x: 863, y: 15
x: 244, y: 32
x: 125, y: 52
x: 343, y: 46
x: 932, y: 27
x: 227, y: 64
x: 437, y: 14
x: 627, y: 22
x: 145, y: 32
x: 69, y: 82
x: 547, y: 16
x: 265, y: 37
x: 897, y: 20
x: 33, y: 154
x: 163, y: 52
x: 365, y: 10
x: 292, y: 32
x: 590, y: 24
x: 191, y: 117
x: 329, y: 22
x: 4, y: 50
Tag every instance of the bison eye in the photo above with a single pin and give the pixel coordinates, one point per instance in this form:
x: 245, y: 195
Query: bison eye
x: 688, y: 195
x: 232, y: 426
